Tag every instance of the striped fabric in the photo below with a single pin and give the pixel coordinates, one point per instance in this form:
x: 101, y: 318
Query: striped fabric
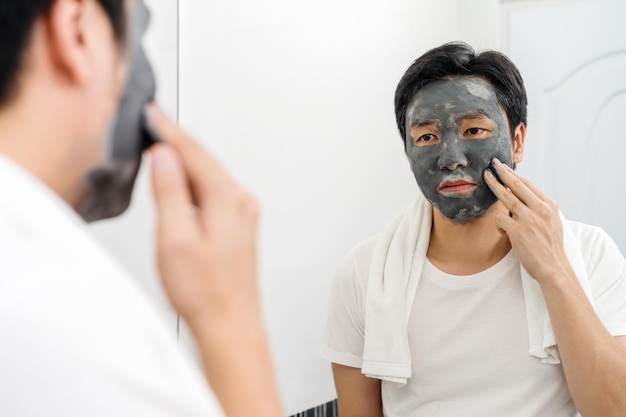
x: 325, y: 410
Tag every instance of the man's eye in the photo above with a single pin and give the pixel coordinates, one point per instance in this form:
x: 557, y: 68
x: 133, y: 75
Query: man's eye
x: 475, y: 130
x: 427, y: 137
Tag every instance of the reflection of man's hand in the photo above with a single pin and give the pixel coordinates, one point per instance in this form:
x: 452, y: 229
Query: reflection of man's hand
x: 534, y: 226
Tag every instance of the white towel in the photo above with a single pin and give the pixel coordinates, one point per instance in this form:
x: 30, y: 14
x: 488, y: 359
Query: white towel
x: 394, y: 274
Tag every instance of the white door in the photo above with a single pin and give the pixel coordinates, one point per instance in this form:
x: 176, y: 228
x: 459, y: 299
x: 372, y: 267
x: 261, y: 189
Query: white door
x: 573, y: 58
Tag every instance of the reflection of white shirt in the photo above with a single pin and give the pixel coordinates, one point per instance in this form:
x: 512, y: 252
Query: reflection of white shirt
x: 78, y: 337
x: 468, y: 335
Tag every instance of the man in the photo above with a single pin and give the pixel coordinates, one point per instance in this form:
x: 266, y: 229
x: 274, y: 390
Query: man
x: 78, y: 336
x: 478, y: 299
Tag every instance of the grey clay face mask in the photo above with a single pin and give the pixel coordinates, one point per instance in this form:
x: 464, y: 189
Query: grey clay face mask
x: 447, y: 152
x: 110, y: 185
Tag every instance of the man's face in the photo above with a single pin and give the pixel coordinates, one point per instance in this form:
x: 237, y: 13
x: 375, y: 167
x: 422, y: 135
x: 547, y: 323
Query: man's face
x: 454, y: 129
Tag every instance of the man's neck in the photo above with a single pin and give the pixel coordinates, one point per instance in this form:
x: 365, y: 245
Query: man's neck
x: 37, y: 141
x: 467, y: 248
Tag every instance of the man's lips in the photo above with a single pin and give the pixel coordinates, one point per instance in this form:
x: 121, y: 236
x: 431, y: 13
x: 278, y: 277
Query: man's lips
x: 457, y: 187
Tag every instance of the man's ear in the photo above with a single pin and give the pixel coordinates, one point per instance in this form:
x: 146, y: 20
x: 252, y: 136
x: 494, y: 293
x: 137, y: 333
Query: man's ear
x: 66, y: 28
x: 518, y: 143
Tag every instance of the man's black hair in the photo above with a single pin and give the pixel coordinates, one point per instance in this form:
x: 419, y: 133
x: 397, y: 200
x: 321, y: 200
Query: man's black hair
x: 459, y: 59
x: 17, y: 18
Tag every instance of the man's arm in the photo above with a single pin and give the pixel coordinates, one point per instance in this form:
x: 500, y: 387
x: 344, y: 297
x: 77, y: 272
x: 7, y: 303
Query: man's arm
x: 206, y: 243
x: 357, y: 395
x: 593, y: 360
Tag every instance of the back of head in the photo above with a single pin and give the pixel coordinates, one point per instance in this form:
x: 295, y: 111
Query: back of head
x: 459, y: 59
x: 17, y: 18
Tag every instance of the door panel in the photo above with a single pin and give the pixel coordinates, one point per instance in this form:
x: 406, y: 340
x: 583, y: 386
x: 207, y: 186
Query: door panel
x: 572, y: 56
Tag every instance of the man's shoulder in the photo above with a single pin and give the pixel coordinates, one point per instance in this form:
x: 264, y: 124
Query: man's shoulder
x: 583, y: 231
x: 363, y: 251
x: 57, y: 275
x: 72, y: 319
x: 590, y: 237
x: 597, y: 247
x: 354, y: 268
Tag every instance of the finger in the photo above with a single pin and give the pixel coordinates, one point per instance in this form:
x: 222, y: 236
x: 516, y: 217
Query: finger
x: 505, y: 224
x: 205, y: 174
x: 171, y: 194
x: 516, y: 184
x: 506, y: 196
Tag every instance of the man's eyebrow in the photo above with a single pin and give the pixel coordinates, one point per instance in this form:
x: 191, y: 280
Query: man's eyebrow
x: 473, y: 115
x: 424, y: 122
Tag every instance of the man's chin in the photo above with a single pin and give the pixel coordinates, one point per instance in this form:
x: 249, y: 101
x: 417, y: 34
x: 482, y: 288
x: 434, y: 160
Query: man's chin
x: 462, y: 213
x: 109, y: 190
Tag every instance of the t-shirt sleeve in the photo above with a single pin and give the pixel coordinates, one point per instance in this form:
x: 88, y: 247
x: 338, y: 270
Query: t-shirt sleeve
x: 344, y: 331
x: 606, y: 269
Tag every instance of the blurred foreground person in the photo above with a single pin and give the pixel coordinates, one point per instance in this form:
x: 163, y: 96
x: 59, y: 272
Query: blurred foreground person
x: 79, y: 338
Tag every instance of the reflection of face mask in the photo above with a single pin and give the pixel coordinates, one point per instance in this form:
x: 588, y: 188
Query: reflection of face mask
x: 110, y: 185
x: 455, y: 158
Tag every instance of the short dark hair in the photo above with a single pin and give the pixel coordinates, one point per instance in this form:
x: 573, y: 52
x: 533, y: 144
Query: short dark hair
x: 459, y: 59
x: 17, y: 18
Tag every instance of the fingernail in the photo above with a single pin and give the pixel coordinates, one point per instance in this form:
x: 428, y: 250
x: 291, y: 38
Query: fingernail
x: 497, y: 162
x: 488, y: 173
x: 164, y: 159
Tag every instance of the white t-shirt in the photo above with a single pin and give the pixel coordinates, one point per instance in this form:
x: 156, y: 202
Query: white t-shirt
x: 78, y: 336
x: 469, y: 336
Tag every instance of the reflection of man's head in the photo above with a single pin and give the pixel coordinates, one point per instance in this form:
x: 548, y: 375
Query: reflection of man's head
x: 456, y: 111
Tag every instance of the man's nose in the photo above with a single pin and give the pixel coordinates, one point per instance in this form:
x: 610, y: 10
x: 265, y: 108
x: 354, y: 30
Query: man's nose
x: 452, y: 156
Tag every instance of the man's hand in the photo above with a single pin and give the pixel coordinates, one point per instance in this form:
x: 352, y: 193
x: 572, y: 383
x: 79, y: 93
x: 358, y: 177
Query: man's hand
x: 534, y: 226
x: 206, y: 244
